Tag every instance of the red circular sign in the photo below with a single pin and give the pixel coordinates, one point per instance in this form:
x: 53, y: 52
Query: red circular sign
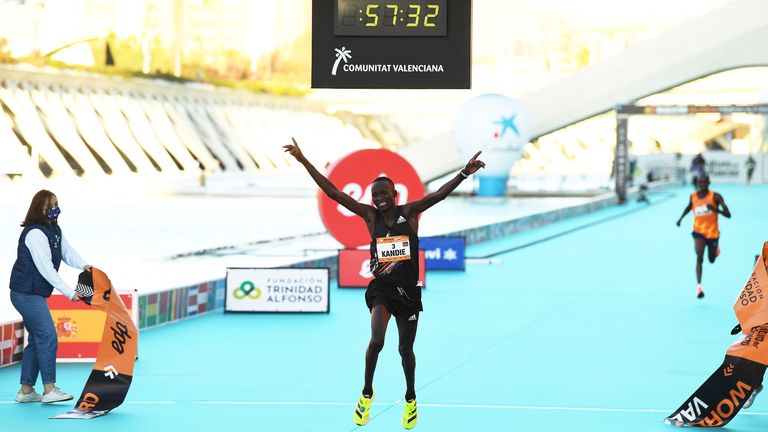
x: 353, y: 175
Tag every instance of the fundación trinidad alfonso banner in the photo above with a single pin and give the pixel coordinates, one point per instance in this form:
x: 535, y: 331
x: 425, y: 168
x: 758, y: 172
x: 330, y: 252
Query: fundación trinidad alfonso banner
x: 277, y: 290
x: 112, y: 373
x: 722, y: 396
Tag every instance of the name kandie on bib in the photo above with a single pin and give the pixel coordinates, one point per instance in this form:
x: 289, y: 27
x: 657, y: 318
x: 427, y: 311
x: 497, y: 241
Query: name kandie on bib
x: 389, y: 249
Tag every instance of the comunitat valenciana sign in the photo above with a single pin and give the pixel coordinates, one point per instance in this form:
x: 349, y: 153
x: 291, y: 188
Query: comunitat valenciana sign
x: 391, y: 44
x: 353, y: 175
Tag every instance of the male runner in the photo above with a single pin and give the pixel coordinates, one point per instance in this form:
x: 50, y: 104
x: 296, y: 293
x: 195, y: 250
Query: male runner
x: 395, y: 289
x: 706, y: 205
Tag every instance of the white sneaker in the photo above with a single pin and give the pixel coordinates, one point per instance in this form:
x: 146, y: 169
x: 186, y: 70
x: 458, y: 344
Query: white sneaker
x: 32, y: 396
x: 56, y: 395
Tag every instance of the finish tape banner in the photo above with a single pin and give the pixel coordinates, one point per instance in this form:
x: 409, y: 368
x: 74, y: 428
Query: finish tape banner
x: 112, y: 374
x: 721, y: 397
x: 79, y: 326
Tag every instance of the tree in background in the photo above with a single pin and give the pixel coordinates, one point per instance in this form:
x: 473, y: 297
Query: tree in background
x: 5, y: 52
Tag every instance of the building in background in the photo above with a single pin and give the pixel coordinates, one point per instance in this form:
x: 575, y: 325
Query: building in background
x: 518, y: 45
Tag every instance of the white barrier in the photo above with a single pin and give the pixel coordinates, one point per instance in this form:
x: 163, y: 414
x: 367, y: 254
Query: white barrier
x: 722, y: 167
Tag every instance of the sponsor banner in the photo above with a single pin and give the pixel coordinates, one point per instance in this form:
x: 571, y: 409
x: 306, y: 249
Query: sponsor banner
x: 112, y: 372
x: 444, y: 253
x: 277, y: 290
x: 355, y: 270
x: 11, y: 343
x: 79, y: 326
x: 721, y: 396
x: 722, y: 167
x: 353, y: 175
x: 692, y: 109
x: 500, y: 127
x: 751, y: 308
x: 761, y: 168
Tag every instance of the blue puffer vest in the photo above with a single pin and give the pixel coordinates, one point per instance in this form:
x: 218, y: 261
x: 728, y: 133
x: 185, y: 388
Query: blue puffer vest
x: 24, y: 276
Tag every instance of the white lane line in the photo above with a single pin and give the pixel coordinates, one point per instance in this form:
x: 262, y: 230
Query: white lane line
x: 272, y: 403
x: 151, y: 402
x: 556, y: 408
x: 128, y: 402
x: 431, y: 405
x: 543, y: 408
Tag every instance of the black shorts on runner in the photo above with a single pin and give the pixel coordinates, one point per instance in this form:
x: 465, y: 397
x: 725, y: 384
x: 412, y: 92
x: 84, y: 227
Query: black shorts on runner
x: 400, y: 302
x: 710, y: 242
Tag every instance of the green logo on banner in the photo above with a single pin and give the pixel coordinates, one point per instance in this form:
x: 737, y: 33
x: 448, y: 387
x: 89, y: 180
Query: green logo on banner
x: 247, y: 289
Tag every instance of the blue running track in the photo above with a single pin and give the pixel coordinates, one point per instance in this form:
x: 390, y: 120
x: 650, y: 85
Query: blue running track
x: 589, y: 324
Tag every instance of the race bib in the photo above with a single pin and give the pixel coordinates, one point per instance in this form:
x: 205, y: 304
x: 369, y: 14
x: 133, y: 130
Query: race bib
x: 395, y: 248
x: 701, y: 210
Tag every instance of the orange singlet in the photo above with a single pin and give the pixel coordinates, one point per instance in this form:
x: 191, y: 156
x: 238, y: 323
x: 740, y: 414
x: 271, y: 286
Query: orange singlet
x: 704, y: 219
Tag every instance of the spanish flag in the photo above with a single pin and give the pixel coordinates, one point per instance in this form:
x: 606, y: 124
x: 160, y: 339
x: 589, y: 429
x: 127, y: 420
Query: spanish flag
x: 112, y: 374
x: 721, y: 397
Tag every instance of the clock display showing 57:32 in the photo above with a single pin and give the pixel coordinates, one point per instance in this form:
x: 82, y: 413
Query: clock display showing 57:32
x: 391, y: 18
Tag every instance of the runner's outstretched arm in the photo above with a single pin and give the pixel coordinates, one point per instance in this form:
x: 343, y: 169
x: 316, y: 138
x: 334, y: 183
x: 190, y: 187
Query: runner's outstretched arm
x: 435, y: 197
x: 685, y: 212
x: 362, y: 210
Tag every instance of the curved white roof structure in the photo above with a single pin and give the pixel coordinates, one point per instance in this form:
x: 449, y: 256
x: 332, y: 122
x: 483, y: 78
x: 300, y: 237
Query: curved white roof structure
x: 735, y: 36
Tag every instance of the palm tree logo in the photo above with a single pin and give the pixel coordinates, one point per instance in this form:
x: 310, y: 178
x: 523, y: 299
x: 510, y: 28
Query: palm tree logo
x: 341, y: 54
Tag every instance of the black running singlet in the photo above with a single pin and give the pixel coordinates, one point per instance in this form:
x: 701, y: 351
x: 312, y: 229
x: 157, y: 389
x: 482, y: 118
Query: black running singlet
x: 395, y: 251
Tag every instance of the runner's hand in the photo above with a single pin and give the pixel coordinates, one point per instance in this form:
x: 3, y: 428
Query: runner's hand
x: 678, y: 222
x: 474, y: 165
x: 76, y: 297
x: 87, y: 267
x: 294, y: 150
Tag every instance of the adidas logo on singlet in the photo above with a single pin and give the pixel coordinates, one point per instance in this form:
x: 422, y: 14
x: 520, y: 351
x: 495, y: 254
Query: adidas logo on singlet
x: 401, y: 219
x: 412, y: 318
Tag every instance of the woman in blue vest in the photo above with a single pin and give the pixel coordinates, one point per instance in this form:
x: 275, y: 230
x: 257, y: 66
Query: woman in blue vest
x: 42, y: 248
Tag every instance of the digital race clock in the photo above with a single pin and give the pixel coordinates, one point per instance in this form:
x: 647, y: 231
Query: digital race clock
x: 391, y: 18
x: 378, y: 44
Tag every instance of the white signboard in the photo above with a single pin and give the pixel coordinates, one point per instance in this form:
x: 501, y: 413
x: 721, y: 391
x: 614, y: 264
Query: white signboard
x: 722, y: 167
x: 277, y: 290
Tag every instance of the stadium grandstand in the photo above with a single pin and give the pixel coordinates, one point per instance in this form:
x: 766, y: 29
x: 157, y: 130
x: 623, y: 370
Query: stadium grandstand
x: 59, y: 125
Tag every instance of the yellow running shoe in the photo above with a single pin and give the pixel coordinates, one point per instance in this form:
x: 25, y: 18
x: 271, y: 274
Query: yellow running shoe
x: 409, y: 415
x: 363, y: 410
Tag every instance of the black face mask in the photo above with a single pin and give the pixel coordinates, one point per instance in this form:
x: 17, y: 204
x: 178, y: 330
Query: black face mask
x: 53, y: 213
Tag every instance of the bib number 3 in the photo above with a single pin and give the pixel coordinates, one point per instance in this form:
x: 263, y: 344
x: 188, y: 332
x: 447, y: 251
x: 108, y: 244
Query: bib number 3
x: 395, y: 248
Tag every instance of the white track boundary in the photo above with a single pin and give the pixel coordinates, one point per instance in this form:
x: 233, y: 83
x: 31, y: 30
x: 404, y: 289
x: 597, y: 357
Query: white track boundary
x: 431, y: 405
